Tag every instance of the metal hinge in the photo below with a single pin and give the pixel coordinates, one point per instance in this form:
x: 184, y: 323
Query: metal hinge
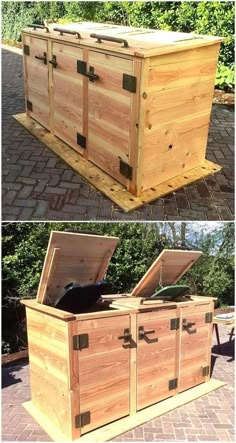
x: 81, y: 141
x: 208, y: 317
x: 80, y: 341
x: 81, y: 67
x: 26, y: 50
x: 126, y: 170
x: 129, y: 82
x: 173, y: 384
x: 82, y: 419
x: 29, y: 105
x: 174, y: 323
x: 205, y: 371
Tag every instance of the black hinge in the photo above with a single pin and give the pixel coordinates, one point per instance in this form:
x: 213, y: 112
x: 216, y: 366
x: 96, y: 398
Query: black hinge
x: 174, y: 323
x: 80, y: 341
x: 81, y: 67
x: 173, y: 384
x: 81, y: 141
x: 29, y: 105
x: 26, y: 50
x: 208, y: 317
x: 82, y: 419
x: 205, y: 371
x: 129, y: 82
x: 126, y: 170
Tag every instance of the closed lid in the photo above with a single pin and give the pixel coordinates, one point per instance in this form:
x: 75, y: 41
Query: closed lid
x: 140, y: 42
x: 166, y: 270
x: 73, y: 258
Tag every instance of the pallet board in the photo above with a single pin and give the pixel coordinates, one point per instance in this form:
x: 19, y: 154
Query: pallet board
x: 119, y: 427
x: 106, y: 184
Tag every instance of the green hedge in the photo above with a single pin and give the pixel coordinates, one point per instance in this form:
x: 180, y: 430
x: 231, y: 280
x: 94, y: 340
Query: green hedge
x: 213, y: 18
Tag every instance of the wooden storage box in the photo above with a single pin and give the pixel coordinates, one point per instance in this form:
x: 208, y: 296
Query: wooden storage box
x: 135, y: 102
x: 87, y: 370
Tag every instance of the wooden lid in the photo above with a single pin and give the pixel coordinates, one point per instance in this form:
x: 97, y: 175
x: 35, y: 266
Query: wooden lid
x: 77, y: 258
x: 142, y: 42
x: 169, y: 267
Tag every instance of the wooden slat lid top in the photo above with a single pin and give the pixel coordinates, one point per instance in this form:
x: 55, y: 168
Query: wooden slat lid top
x: 71, y: 257
x: 168, y: 268
x: 142, y: 42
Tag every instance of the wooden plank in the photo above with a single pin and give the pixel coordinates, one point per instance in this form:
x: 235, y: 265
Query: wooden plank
x: 103, y: 182
x: 114, y: 429
x: 187, y: 55
x: 53, y: 264
x: 49, y: 369
x: 133, y: 366
x: 104, y: 371
x: 79, y: 262
x: 160, y: 269
x: 37, y: 79
x: 176, y: 75
x: 33, y: 304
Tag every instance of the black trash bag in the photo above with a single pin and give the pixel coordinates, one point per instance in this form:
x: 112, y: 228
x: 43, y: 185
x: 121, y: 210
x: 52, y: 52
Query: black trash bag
x: 78, y: 298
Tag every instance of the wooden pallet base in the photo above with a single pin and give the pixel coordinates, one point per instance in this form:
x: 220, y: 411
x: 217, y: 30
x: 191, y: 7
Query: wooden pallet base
x: 118, y: 427
x: 102, y: 181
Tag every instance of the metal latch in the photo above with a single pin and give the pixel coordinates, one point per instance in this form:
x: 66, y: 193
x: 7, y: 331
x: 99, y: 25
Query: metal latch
x: 174, y: 324
x: 126, y: 170
x: 129, y: 82
x: 82, y: 419
x: 80, y: 341
x: 173, y: 384
x: 208, y: 317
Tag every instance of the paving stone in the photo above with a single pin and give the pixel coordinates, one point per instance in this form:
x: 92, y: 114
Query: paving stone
x: 27, y: 162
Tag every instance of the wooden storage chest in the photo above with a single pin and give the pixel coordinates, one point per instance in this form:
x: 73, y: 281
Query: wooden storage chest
x: 89, y: 369
x: 135, y: 102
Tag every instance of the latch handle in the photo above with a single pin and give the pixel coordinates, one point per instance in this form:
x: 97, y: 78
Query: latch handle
x: 142, y: 335
x: 126, y: 337
x: 35, y: 26
x: 53, y: 61
x: 67, y: 31
x: 110, y: 39
x: 42, y: 57
x: 187, y: 325
x: 90, y: 74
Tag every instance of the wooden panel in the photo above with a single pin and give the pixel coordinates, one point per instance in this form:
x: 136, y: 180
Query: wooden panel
x: 186, y: 56
x: 68, y: 95
x: 194, y: 349
x: 185, y: 101
x: 111, y: 61
x: 174, y: 75
x: 156, y: 360
x: 36, y: 73
x: 108, y: 120
x: 49, y: 368
x: 173, y: 148
x: 104, y: 371
x: 174, y: 262
x: 80, y: 261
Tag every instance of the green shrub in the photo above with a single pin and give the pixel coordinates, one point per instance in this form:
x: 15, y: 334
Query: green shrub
x: 225, y: 77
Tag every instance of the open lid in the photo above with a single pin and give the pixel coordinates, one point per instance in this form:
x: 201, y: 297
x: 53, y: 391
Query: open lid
x: 166, y: 270
x: 77, y: 258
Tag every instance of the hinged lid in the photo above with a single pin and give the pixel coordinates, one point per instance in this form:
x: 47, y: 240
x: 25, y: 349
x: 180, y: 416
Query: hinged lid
x: 77, y: 258
x: 168, y: 268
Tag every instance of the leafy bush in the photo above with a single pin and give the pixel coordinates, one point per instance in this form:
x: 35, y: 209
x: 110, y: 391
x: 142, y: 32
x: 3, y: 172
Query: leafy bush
x: 225, y: 77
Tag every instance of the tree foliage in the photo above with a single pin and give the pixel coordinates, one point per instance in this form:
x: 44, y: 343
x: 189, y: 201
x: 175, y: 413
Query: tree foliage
x: 213, y: 18
x: 24, y: 246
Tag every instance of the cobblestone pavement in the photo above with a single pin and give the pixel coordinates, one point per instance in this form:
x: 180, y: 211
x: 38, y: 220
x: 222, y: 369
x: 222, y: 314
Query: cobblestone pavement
x: 209, y: 418
x: 37, y: 185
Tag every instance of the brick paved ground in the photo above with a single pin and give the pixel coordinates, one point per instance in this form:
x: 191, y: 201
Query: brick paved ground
x: 210, y: 418
x: 37, y: 185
